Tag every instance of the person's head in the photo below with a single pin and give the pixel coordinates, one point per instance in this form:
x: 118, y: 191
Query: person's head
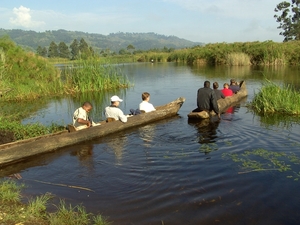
x: 206, y: 84
x: 226, y: 85
x: 232, y: 82
x: 215, y: 85
x: 145, y: 96
x: 115, y: 100
x: 87, y: 106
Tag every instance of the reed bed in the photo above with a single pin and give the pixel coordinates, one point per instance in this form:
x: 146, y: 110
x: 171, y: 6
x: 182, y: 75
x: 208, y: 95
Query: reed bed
x: 238, y: 59
x: 273, y: 98
x: 90, y: 75
x: 240, y: 53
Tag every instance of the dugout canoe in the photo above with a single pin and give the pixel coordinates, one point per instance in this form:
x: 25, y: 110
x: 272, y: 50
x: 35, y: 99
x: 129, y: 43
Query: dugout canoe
x: 20, y: 150
x: 223, y: 103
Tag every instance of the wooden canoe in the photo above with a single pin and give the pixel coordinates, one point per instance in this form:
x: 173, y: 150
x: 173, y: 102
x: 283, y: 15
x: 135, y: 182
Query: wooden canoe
x: 223, y: 103
x: 20, y: 150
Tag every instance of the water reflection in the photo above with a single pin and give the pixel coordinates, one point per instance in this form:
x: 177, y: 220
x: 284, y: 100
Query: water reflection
x: 117, y: 144
x: 85, y: 156
x: 147, y: 134
x: 229, y: 113
x: 207, y: 130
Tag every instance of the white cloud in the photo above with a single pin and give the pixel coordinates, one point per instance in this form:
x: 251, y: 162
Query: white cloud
x: 23, y: 18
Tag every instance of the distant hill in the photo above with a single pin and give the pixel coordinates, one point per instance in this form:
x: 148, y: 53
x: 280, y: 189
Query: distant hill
x: 114, y: 41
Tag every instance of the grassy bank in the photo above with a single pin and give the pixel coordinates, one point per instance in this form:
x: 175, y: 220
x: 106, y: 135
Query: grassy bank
x: 241, y: 53
x: 14, y: 211
x: 29, y: 76
x: 273, y: 98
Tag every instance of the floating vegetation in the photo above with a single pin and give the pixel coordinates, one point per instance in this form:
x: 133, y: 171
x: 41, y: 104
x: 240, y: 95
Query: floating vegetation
x: 264, y: 160
x: 207, y: 148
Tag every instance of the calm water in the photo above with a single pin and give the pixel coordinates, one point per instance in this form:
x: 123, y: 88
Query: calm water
x: 174, y: 171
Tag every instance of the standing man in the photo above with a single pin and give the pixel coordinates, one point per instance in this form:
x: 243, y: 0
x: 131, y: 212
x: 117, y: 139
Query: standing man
x: 113, y: 111
x: 206, y: 100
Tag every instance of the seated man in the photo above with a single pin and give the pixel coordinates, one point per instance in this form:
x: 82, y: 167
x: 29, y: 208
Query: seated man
x: 206, y: 100
x: 219, y: 93
x: 80, y: 117
x: 113, y: 111
x: 145, y: 105
x: 226, y: 91
x: 234, y: 86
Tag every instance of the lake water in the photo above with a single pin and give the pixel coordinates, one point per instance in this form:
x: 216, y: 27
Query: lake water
x: 174, y: 171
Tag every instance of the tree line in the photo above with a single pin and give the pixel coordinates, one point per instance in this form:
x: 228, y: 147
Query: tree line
x: 76, y: 50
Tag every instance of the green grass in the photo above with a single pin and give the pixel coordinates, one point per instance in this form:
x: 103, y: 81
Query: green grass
x: 13, y: 211
x: 273, y: 98
x: 25, y: 131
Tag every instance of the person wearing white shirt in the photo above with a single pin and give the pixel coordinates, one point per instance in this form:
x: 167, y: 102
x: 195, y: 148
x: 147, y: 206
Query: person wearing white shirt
x: 113, y: 111
x: 80, y: 116
x: 145, y: 105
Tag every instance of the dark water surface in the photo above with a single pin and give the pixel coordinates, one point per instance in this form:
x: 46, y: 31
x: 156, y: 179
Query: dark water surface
x: 174, y: 171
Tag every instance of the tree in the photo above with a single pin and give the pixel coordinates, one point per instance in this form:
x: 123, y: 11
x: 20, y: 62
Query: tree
x: 74, y: 49
x: 130, y: 48
x: 53, y: 50
x: 39, y: 50
x: 64, y: 51
x: 44, y: 52
x: 289, y: 20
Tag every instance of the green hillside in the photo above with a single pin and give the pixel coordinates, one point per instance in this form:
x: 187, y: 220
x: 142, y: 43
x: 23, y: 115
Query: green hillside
x: 114, y: 41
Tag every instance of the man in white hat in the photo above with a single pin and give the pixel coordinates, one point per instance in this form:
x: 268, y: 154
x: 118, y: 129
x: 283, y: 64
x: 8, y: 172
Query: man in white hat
x: 113, y: 111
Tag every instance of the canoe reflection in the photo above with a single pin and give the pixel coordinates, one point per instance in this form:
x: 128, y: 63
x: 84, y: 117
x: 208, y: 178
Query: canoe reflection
x: 207, y: 130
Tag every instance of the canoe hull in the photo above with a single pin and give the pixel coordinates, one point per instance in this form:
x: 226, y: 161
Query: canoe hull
x: 223, y: 103
x: 20, y: 150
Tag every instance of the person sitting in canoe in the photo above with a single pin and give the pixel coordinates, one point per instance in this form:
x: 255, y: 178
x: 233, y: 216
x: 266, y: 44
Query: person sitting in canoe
x: 219, y: 93
x: 81, y: 118
x: 113, y: 111
x: 234, y: 86
x: 206, y: 100
x: 226, y: 91
x: 145, y: 105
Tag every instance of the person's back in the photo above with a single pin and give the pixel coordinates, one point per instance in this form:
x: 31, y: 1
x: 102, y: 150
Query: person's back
x: 226, y: 91
x: 234, y: 86
x: 206, y: 99
x: 113, y: 111
x: 145, y: 105
x: 219, y: 94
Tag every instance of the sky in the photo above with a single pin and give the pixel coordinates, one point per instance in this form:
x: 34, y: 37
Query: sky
x: 207, y: 21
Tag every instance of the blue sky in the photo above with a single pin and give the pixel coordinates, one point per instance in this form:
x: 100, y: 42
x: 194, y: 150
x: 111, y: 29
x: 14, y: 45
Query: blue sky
x: 207, y: 21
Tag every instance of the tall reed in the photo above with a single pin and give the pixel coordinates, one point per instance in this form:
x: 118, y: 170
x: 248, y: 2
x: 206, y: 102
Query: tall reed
x: 238, y: 59
x: 273, y: 98
x: 90, y: 75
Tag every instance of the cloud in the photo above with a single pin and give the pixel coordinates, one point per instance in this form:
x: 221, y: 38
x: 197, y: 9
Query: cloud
x: 23, y: 18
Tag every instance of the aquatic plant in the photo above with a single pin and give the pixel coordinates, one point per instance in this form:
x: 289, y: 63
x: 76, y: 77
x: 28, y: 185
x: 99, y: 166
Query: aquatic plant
x: 91, y: 75
x: 273, y: 98
x: 258, y: 160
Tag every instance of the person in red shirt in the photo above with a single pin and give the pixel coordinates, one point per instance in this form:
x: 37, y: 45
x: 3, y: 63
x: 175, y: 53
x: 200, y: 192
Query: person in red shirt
x: 226, y: 91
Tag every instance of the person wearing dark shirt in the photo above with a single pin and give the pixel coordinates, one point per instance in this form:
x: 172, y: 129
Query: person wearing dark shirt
x: 219, y: 94
x: 206, y: 99
x: 234, y: 86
